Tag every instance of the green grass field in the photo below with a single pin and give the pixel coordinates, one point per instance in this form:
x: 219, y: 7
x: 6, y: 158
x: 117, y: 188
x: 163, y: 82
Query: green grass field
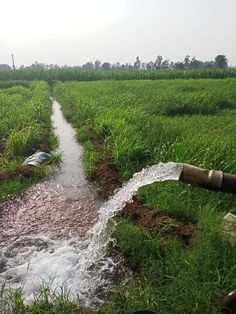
x: 146, y: 122
x: 25, y: 111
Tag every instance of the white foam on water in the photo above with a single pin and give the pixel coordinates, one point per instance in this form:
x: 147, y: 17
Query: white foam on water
x: 76, y: 265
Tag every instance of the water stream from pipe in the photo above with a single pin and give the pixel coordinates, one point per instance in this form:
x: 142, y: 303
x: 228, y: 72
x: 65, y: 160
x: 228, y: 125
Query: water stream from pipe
x: 57, y: 234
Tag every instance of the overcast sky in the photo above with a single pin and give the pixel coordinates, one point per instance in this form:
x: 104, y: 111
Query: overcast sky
x: 73, y: 32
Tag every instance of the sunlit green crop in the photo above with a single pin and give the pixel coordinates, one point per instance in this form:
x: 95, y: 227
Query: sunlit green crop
x: 146, y: 122
x: 25, y: 110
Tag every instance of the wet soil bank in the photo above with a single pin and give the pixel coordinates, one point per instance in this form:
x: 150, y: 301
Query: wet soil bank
x: 153, y: 220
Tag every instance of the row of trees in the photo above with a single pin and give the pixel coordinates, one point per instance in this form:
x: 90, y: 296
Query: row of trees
x: 188, y: 63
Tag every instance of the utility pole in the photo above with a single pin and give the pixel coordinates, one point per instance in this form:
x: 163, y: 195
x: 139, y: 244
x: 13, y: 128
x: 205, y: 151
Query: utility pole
x: 13, y: 63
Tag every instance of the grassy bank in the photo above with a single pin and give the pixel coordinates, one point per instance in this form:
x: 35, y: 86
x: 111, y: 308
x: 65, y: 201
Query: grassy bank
x: 25, y: 110
x: 142, y: 123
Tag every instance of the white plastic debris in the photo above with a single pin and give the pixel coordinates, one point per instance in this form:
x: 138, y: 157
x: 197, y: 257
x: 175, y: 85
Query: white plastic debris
x: 37, y: 159
x: 230, y: 218
x: 230, y: 226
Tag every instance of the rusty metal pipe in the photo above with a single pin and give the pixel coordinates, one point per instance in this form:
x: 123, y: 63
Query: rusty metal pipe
x: 209, y: 179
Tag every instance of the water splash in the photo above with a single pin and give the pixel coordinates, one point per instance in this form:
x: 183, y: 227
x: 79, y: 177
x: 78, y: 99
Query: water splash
x: 57, y: 237
x: 101, y: 232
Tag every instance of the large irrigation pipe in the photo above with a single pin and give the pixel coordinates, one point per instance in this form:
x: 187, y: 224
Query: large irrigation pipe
x: 209, y: 179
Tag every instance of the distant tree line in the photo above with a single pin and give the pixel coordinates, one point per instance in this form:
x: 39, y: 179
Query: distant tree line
x: 188, y: 63
x: 189, y: 68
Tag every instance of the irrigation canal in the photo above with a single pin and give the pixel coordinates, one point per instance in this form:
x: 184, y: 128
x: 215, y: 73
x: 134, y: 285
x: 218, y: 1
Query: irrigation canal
x: 57, y: 234
x: 44, y: 234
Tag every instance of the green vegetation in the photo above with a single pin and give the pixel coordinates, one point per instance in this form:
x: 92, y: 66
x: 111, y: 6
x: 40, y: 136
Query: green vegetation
x: 46, y: 301
x: 25, y: 111
x: 75, y: 73
x: 142, y: 123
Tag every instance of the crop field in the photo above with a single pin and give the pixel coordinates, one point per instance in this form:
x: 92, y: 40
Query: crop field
x: 25, y: 111
x: 51, y: 75
x: 141, y: 123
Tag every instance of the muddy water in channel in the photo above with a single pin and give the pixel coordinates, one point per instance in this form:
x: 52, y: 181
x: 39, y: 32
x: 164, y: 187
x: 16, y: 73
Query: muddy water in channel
x: 61, y: 206
x: 43, y: 234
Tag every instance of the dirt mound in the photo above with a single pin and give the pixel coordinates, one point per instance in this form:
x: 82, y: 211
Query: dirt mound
x: 158, y: 222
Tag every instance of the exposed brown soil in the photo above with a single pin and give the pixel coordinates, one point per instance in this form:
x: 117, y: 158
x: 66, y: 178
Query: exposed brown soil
x: 154, y: 220
x: 106, y: 174
x: 158, y: 222
x: 45, y: 146
x: 108, y: 178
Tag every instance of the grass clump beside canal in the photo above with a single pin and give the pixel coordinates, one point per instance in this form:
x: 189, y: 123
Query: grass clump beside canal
x: 25, y: 111
x: 50, y: 302
x: 141, y: 123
